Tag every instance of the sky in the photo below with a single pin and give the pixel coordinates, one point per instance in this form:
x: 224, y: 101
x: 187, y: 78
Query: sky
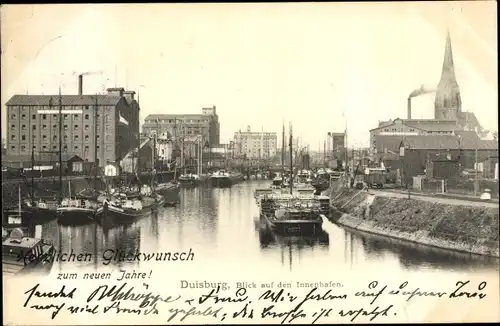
x: 322, y: 66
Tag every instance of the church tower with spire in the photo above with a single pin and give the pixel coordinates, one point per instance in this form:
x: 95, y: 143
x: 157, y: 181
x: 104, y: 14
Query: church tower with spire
x: 448, y: 102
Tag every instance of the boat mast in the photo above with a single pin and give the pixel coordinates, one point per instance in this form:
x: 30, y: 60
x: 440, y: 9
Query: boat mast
x: 291, y: 160
x: 95, y: 142
x: 283, y: 155
x: 60, y: 147
x: 19, y: 199
x: 33, y: 169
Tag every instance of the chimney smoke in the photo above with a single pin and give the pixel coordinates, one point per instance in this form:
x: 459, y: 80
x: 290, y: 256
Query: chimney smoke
x: 80, y: 84
x: 409, y: 108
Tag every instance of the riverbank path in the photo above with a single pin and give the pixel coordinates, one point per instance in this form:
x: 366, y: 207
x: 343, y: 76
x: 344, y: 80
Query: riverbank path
x: 433, y: 199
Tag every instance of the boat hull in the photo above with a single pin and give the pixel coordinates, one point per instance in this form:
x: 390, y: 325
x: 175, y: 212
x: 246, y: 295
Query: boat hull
x: 110, y: 216
x: 75, y: 215
x: 171, y: 194
x: 41, y: 215
x: 293, y: 226
x: 224, y: 182
x: 189, y: 183
x: 24, y: 266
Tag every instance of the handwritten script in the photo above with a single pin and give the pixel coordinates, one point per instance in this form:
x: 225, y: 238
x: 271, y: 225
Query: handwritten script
x: 372, y: 302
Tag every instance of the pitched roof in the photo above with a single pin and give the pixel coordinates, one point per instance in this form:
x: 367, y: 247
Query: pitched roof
x: 422, y: 124
x: 440, y: 142
x: 66, y: 100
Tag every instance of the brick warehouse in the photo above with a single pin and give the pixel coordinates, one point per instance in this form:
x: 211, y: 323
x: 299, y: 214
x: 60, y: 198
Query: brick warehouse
x: 180, y: 125
x: 109, y: 120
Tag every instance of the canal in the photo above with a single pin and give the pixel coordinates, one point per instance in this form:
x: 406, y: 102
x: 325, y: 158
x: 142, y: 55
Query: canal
x: 220, y: 227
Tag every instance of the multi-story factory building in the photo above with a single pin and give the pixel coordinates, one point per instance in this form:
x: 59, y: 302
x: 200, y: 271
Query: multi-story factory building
x: 185, y: 125
x: 102, y: 126
x: 255, y: 145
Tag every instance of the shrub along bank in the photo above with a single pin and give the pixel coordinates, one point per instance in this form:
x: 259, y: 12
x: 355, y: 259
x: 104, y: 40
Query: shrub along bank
x: 471, y: 229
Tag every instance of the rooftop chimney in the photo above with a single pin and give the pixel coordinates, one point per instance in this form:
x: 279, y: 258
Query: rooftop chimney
x: 409, y: 108
x: 80, y: 84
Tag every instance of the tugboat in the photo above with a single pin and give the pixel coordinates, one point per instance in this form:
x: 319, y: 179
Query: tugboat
x: 22, y: 255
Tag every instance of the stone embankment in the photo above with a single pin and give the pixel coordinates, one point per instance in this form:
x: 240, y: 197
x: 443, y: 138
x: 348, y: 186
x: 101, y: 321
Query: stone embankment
x: 467, y: 228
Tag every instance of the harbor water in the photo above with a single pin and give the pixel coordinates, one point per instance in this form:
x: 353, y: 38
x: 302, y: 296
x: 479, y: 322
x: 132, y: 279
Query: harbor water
x: 220, y: 226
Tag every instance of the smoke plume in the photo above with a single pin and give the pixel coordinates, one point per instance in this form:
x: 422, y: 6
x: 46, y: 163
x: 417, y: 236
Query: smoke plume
x: 421, y: 91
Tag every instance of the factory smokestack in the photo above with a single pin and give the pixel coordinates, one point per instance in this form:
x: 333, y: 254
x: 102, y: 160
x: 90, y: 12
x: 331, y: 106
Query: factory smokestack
x: 409, y: 108
x: 80, y: 84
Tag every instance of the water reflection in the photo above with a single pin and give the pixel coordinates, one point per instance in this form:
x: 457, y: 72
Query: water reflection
x: 293, y: 246
x: 218, y: 224
x: 415, y: 256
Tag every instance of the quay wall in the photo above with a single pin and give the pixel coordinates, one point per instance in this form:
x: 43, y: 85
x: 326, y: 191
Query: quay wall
x: 471, y: 229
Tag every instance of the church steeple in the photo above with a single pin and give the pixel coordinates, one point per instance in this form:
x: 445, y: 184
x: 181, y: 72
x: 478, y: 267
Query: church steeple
x: 448, y: 101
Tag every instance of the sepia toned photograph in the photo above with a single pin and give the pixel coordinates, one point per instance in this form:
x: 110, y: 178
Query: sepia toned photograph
x: 250, y: 163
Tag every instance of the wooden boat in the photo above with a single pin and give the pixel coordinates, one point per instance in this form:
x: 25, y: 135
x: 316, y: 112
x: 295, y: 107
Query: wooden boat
x: 223, y: 178
x: 170, y: 191
x: 77, y: 211
x: 291, y: 216
x: 22, y: 254
x: 189, y: 180
x: 123, y: 208
x: 81, y: 209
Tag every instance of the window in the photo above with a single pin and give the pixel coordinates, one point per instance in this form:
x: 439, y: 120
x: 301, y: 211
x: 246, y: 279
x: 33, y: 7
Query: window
x: 44, y: 147
x: 86, y: 148
x: 12, y: 116
x: 75, y: 127
x: 75, y: 116
x: 65, y: 117
x: 13, y: 147
x: 34, y: 146
x: 23, y: 137
x: 76, y: 137
x: 33, y: 116
x: 54, y: 116
x: 13, y: 127
x: 33, y: 127
x: 54, y: 146
x: 13, y: 137
x: 53, y: 137
x: 86, y: 117
x: 76, y: 148
x: 86, y: 137
x: 65, y: 127
x: 65, y: 148
x: 44, y: 117
x: 65, y: 137
x: 86, y: 107
x: 23, y: 148
x: 23, y: 127
x: 44, y: 127
x: 45, y: 137
x: 54, y: 126
x: 86, y: 127
x: 23, y: 116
